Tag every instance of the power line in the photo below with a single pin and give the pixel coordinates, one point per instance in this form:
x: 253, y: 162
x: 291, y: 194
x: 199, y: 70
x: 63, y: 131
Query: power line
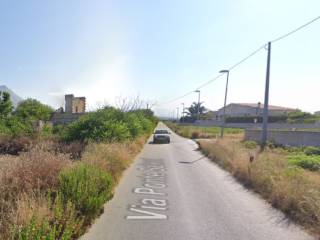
x: 216, y: 77
x: 243, y: 60
x: 295, y: 30
x: 177, y: 98
x: 246, y: 58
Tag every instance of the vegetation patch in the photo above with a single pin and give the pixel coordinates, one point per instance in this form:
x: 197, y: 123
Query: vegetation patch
x: 310, y: 162
x: 196, y: 132
x: 280, y: 176
x: 110, y: 125
x: 86, y: 187
x: 55, y: 180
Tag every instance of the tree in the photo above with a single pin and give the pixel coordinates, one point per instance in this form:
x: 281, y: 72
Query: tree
x: 191, y: 113
x: 6, y: 105
x: 33, y: 110
x: 193, y: 109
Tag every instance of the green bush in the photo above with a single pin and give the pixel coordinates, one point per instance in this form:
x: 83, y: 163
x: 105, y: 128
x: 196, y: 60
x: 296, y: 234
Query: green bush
x: 14, y: 126
x: 4, y: 130
x: 135, y: 127
x: 109, y: 125
x: 87, y: 187
x: 310, y: 162
x: 147, y: 124
x: 6, y: 105
x: 312, y: 151
x: 32, y: 109
x: 60, y: 130
x: 65, y: 224
x: 250, y: 144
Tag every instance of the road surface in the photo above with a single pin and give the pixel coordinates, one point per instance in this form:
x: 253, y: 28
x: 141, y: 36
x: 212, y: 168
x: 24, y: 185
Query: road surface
x: 172, y: 192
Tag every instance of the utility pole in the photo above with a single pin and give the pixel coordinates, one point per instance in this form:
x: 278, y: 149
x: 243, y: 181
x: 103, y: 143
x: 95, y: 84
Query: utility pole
x: 225, y: 102
x: 178, y: 114
x: 266, y: 102
x: 198, y: 113
x: 182, y: 112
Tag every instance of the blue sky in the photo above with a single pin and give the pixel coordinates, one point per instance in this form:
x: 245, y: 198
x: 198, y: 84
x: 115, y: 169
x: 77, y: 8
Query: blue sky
x: 159, y: 50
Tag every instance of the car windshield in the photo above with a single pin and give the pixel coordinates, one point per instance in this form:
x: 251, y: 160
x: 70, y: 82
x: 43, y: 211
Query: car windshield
x: 161, y: 132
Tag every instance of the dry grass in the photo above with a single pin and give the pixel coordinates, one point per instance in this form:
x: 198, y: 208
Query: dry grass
x: 293, y: 190
x: 26, y: 179
x: 14, y: 145
x: 29, y: 206
x: 23, y: 181
x: 113, y: 157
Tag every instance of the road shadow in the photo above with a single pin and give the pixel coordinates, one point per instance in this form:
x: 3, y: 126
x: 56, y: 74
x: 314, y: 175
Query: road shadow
x: 192, y: 162
x: 151, y: 142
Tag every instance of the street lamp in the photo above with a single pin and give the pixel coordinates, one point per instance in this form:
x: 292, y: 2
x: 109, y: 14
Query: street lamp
x: 182, y: 112
x: 225, y: 102
x: 198, y: 113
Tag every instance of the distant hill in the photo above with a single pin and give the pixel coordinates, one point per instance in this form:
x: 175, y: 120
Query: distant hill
x: 14, y: 97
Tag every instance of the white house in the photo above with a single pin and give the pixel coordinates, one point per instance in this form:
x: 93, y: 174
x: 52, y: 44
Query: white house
x: 253, y: 109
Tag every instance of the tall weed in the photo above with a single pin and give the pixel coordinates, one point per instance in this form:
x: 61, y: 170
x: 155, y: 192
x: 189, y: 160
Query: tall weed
x: 87, y: 187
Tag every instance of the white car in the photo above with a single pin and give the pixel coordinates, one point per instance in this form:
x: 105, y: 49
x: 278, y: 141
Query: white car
x: 161, y: 136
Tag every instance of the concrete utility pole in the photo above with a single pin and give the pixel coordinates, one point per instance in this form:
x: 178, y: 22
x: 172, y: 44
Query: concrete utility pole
x: 198, y: 113
x: 178, y: 114
x: 266, y: 102
x: 182, y: 112
x: 225, y: 102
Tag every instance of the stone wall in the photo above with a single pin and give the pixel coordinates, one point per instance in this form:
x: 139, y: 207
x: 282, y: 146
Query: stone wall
x: 286, y: 138
x: 65, y: 118
x: 288, y: 126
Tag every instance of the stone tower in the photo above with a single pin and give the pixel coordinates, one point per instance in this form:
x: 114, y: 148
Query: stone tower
x: 68, y: 99
x: 75, y: 104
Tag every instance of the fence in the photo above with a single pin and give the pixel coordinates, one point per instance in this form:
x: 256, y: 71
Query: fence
x: 216, y: 123
x: 286, y: 138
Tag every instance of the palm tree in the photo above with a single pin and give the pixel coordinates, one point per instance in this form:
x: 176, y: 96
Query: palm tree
x: 193, y: 109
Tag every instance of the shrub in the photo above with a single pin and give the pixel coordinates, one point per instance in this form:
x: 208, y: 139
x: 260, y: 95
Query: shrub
x: 109, y: 125
x: 4, y: 130
x: 87, y: 187
x: 310, y: 162
x: 14, y: 126
x: 136, y: 126
x: 6, y: 105
x: 32, y: 109
x: 103, y: 125
x: 312, y: 151
x: 74, y: 149
x: 250, y: 144
x: 32, y: 172
x: 146, y: 123
x: 14, y: 145
x: 195, y: 134
x: 64, y: 224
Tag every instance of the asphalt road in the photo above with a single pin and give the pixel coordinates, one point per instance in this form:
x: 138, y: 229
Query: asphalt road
x: 172, y: 192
